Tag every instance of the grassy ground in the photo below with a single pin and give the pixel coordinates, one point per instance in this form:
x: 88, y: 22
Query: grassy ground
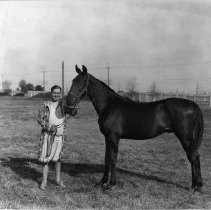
x: 151, y: 174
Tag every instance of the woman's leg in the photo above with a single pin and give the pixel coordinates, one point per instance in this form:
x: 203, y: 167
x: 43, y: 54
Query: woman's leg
x: 53, y: 151
x: 57, y: 161
x: 58, y: 173
x: 45, y: 176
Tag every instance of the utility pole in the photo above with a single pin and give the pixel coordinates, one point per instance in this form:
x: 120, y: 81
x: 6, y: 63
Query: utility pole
x: 62, y: 79
x: 119, y: 87
x: 2, y: 80
x: 43, y: 79
x: 108, y: 68
x: 197, y: 89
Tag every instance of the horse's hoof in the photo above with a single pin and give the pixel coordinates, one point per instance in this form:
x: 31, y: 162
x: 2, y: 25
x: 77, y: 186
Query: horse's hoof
x: 103, y: 183
x: 112, y: 183
x: 107, y: 187
x: 196, y: 190
x: 98, y: 184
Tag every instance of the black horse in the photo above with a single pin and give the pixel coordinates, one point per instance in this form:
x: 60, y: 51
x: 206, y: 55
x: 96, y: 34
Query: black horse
x: 120, y: 117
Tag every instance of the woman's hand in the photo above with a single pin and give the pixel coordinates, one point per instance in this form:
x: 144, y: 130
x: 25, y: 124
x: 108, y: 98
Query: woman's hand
x: 53, y: 128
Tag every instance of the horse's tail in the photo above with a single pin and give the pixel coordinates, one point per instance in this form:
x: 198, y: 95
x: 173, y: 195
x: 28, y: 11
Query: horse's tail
x: 198, y: 129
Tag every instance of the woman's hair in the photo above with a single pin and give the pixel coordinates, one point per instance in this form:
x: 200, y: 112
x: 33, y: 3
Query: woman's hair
x: 55, y: 87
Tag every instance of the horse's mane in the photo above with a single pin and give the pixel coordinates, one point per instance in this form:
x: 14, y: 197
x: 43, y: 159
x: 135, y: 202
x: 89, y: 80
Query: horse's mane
x: 111, y: 90
x: 105, y: 85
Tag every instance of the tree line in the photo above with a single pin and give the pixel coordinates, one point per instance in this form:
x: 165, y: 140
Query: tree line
x: 131, y: 87
x: 22, y: 86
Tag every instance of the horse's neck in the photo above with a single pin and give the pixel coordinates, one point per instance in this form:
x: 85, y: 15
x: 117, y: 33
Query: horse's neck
x: 99, y: 94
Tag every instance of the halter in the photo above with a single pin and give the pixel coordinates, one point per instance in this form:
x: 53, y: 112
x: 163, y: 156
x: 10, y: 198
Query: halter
x: 80, y: 94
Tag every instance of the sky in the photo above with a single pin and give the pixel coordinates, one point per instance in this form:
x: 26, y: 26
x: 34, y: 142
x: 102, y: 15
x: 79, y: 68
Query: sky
x: 162, y: 41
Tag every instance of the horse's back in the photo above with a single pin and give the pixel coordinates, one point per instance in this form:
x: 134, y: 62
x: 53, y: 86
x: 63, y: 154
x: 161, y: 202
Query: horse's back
x: 134, y: 120
x: 145, y: 120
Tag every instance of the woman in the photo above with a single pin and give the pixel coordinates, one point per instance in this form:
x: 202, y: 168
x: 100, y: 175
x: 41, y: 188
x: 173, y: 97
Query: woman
x: 52, y: 119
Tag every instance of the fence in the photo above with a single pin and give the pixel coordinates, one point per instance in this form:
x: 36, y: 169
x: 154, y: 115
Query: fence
x: 202, y: 100
x: 32, y: 93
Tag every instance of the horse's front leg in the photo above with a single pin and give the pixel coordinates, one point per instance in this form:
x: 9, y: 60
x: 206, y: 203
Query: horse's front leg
x: 114, y: 141
x: 107, y: 162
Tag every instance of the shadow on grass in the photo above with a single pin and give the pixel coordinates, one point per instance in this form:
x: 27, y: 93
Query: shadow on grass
x: 23, y: 168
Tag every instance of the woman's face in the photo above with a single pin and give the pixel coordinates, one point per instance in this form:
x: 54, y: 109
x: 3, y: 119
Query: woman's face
x: 56, y: 94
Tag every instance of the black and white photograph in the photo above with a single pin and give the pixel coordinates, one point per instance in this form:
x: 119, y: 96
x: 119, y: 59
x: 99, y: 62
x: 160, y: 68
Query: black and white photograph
x: 105, y: 104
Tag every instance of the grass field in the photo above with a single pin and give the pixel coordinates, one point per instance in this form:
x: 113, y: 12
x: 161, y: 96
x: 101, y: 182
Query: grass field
x: 151, y: 174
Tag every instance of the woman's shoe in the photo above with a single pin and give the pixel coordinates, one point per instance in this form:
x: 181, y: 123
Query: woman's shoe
x: 61, y: 184
x: 43, y: 185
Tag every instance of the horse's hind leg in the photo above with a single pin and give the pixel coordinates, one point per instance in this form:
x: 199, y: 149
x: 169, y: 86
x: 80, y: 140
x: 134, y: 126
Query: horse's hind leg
x: 193, y: 157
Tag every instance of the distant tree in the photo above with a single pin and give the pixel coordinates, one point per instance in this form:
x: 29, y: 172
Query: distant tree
x: 131, y: 86
x: 29, y: 86
x: 154, y: 90
x: 22, y: 85
x: 39, y: 88
x: 6, y: 85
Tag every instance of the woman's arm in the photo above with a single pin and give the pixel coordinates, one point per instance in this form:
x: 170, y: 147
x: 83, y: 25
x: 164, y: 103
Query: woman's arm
x: 42, y: 117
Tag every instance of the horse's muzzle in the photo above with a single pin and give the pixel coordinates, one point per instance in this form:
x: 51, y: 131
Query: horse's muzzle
x: 71, y: 110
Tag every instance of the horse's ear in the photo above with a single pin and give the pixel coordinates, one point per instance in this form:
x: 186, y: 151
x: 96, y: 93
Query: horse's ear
x: 78, y: 70
x: 84, y: 69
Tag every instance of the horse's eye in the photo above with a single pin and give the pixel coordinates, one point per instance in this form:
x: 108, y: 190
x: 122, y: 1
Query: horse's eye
x: 75, y: 80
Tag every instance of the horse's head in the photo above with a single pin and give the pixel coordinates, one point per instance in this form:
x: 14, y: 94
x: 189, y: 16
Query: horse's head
x: 78, y: 88
x: 65, y: 108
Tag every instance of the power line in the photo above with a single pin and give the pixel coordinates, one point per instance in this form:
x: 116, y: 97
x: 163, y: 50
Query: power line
x: 144, y: 66
x: 207, y: 78
x: 165, y: 65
